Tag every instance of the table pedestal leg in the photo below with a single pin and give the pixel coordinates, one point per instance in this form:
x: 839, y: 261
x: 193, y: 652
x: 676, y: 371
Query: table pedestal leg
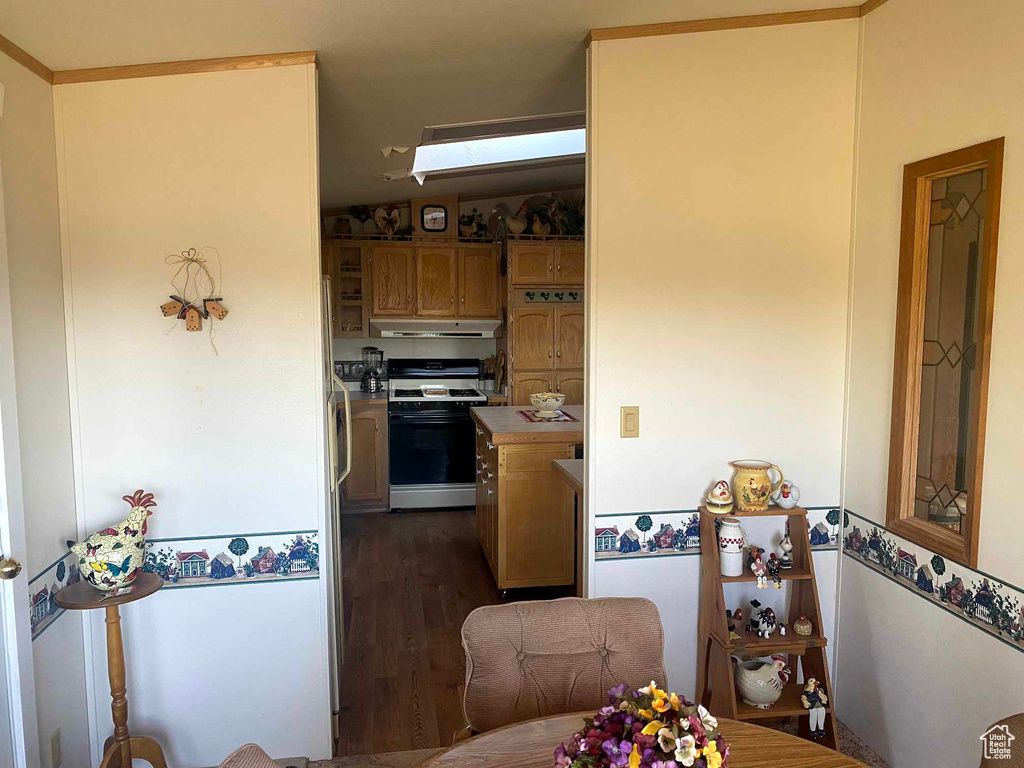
x: 119, y: 749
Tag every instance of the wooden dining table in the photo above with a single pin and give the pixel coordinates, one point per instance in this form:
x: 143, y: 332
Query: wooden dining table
x: 532, y: 745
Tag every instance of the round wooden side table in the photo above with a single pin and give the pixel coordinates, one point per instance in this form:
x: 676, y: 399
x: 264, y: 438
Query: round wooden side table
x: 118, y: 749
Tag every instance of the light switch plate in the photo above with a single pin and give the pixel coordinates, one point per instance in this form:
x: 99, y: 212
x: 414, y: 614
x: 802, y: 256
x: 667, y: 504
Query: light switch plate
x: 629, y: 421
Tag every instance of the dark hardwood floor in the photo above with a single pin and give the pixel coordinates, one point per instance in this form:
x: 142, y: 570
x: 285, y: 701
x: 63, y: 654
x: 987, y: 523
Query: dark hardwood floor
x: 410, y: 580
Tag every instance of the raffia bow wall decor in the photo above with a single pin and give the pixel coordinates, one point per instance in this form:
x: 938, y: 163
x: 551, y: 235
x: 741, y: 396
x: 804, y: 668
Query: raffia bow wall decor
x: 194, y: 298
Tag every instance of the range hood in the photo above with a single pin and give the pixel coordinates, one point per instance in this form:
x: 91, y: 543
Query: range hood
x: 435, y: 329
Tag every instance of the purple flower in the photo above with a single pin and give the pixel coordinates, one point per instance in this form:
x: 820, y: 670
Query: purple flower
x: 607, y: 711
x: 618, y: 752
x: 664, y: 764
x: 616, y: 693
x: 562, y: 760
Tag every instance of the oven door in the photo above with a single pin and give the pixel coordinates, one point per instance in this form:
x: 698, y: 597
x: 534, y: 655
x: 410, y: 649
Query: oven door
x: 431, y: 448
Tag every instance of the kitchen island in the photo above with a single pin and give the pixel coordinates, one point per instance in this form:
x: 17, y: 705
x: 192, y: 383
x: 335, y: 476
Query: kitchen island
x: 524, y: 511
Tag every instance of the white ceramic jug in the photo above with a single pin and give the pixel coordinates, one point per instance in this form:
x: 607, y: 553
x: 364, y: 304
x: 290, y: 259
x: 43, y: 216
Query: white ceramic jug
x: 732, y: 543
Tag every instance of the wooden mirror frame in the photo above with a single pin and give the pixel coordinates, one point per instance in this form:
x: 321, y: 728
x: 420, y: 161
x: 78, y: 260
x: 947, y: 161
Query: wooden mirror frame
x: 907, y: 376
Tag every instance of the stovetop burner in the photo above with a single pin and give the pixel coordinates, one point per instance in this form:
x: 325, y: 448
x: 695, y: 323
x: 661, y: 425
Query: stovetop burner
x: 408, y: 393
x: 463, y: 393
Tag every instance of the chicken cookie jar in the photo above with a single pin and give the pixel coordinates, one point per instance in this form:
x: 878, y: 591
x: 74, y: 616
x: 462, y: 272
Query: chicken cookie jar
x: 113, y: 557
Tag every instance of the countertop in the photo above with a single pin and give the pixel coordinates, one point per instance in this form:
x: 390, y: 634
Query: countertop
x: 358, y: 395
x: 505, y: 426
x: 571, y: 471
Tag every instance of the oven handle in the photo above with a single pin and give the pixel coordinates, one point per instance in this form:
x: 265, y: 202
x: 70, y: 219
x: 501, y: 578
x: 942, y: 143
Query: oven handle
x: 429, y: 418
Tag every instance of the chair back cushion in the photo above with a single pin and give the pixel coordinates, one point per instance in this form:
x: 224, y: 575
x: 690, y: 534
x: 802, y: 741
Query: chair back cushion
x: 534, y: 659
x: 248, y: 756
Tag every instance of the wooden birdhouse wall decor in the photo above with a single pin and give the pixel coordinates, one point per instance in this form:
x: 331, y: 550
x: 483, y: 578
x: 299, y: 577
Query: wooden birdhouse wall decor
x: 194, y: 299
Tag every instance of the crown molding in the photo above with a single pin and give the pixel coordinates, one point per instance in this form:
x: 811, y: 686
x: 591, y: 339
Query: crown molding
x: 733, y: 22
x: 160, y: 69
x: 26, y: 60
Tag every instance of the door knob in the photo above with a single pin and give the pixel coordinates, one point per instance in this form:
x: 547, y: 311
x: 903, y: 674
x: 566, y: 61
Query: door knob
x: 9, y: 568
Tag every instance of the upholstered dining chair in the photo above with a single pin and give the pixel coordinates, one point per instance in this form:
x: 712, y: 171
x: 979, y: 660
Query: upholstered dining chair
x: 532, y: 659
x: 1010, y: 731
x: 248, y: 756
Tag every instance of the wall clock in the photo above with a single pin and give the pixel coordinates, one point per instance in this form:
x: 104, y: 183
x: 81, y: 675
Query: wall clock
x: 434, y: 218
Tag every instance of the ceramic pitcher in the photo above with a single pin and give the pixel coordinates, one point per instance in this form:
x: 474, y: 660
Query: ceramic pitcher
x: 752, y: 486
x: 732, y: 542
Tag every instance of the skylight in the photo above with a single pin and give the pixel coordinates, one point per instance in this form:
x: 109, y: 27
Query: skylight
x: 500, y: 146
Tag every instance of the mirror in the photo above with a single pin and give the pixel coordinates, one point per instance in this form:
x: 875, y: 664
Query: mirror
x: 943, y: 330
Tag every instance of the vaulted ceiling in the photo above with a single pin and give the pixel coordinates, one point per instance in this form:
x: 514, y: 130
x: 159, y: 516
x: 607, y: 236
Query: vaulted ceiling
x: 387, y: 67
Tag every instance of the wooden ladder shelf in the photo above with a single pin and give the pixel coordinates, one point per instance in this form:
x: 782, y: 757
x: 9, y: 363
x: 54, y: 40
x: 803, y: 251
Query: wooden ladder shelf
x: 716, y: 683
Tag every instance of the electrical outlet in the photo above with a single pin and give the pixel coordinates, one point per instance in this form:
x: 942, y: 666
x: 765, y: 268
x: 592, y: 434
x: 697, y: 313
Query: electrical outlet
x: 56, y: 752
x: 629, y: 421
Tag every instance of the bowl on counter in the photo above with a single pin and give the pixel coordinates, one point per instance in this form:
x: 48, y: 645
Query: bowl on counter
x: 547, y: 403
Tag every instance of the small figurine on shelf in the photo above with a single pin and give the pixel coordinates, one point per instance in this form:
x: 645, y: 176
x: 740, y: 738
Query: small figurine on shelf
x: 814, y: 700
x: 758, y: 567
x: 773, y: 570
x: 719, y: 499
x: 786, y: 560
x: 787, y: 496
x: 762, y: 623
x: 803, y: 626
x: 733, y: 619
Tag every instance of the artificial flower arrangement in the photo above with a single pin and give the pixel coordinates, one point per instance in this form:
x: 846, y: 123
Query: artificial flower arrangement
x: 647, y: 728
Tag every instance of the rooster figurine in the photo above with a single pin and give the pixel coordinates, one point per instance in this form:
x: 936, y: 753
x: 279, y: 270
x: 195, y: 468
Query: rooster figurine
x: 113, y: 557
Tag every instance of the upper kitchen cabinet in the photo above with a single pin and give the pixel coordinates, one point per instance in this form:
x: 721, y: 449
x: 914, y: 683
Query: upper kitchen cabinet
x: 569, y: 336
x: 392, y: 279
x: 531, y: 264
x: 570, y: 263
x: 435, y: 281
x: 478, y: 281
x: 532, y: 338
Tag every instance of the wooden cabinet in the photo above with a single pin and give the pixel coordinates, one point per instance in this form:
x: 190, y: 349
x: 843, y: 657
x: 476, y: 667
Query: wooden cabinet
x: 570, y: 384
x: 367, y: 483
x: 531, y: 264
x: 391, y: 278
x: 478, y: 281
x: 524, y: 512
x: 436, y: 278
x: 570, y: 263
x: 344, y: 262
x: 526, y: 384
x: 569, y: 337
x: 533, y: 338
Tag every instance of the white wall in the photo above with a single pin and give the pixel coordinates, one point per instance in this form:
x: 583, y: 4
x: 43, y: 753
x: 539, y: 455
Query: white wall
x: 37, y: 310
x: 231, y: 443
x: 719, y: 197
x: 907, y: 113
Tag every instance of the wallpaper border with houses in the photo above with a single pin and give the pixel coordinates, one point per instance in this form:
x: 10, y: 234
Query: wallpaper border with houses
x: 43, y: 610
x: 193, y: 561
x: 1001, y: 611
x: 616, y: 536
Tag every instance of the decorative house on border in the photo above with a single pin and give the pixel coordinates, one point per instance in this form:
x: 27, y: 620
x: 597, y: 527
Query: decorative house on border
x: 906, y: 563
x: 664, y: 536
x: 40, y: 606
x: 264, y: 560
x: 855, y: 541
x: 874, y: 551
x: 629, y: 542
x: 606, y: 539
x: 820, y: 535
x: 955, y: 590
x: 925, y: 579
x: 192, y: 564
x: 693, y: 533
x: 222, y: 567
x: 983, y: 603
x: 298, y: 557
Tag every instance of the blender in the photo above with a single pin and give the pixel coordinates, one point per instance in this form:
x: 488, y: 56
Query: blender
x: 373, y: 364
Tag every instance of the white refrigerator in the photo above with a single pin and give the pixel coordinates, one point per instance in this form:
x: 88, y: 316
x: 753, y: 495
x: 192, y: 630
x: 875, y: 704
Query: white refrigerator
x: 338, y: 418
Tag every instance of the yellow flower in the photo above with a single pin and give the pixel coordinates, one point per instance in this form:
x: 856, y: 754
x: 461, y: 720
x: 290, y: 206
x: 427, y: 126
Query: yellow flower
x: 646, y: 714
x: 660, y: 705
x: 712, y: 755
x: 676, y: 704
x: 634, y: 758
x: 652, y: 728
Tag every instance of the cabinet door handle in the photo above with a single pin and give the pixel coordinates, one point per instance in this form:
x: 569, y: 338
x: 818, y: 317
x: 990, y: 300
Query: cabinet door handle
x: 549, y: 353
x: 490, y: 446
x: 452, y: 302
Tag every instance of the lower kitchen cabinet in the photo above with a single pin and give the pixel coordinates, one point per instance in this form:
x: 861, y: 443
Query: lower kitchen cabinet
x: 366, y: 487
x: 525, y: 516
x: 570, y: 384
